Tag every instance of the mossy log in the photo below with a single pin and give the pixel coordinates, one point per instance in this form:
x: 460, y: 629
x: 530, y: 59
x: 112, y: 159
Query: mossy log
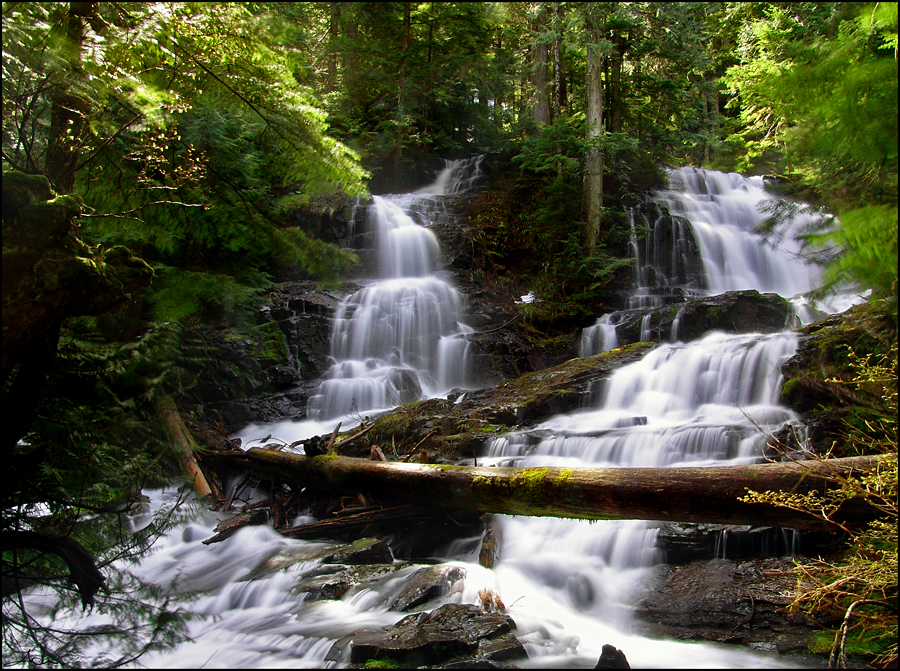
x: 700, y: 495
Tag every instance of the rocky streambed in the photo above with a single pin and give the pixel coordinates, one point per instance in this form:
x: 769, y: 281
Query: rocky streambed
x: 719, y: 584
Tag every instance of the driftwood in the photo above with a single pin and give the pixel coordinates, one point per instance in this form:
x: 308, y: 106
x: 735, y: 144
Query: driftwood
x: 701, y: 495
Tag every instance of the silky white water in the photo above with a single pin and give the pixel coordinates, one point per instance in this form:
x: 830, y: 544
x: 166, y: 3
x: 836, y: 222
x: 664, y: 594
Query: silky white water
x: 402, y: 336
x: 570, y: 585
x: 710, y: 245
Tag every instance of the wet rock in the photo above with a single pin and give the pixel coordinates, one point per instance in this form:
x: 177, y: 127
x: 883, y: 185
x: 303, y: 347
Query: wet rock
x: 362, y: 551
x: 612, y: 658
x: 681, y: 543
x: 267, y: 372
x: 731, y: 312
x: 452, y: 634
x: 429, y: 583
x: 333, y: 581
x: 726, y: 601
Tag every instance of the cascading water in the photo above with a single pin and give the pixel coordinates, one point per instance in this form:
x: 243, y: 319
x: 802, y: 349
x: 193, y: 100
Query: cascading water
x: 569, y: 585
x: 710, y: 245
x: 402, y: 335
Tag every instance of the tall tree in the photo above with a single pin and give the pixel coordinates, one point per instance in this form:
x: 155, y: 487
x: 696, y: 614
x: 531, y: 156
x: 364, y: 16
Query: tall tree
x: 596, y: 48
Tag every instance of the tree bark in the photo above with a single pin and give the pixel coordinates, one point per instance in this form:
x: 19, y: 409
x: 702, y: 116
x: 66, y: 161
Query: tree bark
x: 66, y: 118
x: 703, y: 495
x: 593, y: 177
x: 539, y: 79
x: 183, y: 446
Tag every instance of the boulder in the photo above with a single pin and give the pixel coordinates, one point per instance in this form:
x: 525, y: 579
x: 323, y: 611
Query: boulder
x: 726, y: 601
x: 612, y: 658
x: 823, y: 355
x: 731, y: 312
x: 361, y: 551
x: 333, y: 581
x: 428, y: 584
x: 453, y: 634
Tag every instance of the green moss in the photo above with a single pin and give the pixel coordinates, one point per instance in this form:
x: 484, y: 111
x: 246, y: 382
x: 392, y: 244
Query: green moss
x: 564, y: 478
x: 376, y: 663
x: 861, y: 642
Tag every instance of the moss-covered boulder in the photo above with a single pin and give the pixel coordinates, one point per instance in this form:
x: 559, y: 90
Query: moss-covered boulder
x: 816, y: 376
x: 448, y: 431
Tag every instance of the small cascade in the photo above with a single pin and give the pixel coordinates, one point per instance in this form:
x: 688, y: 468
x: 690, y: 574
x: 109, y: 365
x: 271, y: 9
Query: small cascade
x: 703, y: 242
x: 402, y: 335
x: 708, y: 402
x: 601, y: 337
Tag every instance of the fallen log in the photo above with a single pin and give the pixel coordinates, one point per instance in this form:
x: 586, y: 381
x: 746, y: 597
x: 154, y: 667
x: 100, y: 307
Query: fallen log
x: 699, y: 495
x: 357, y: 522
x: 183, y: 447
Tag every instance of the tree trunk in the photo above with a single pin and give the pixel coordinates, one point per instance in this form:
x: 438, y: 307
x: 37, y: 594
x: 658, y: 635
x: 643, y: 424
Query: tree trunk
x: 183, y: 446
x: 705, y: 495
x: 333, y: 37
x: 559, y: 86
x: 539, y: 72
x: 66, y: 118
x: 593, y: 178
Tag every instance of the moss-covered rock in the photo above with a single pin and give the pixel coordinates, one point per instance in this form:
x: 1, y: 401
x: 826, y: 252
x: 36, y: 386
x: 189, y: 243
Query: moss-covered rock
x: 824, y: 354
x: 442, y: 431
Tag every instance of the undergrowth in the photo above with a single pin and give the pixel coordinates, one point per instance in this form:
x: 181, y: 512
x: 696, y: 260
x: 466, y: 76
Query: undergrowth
x: 860, y: 586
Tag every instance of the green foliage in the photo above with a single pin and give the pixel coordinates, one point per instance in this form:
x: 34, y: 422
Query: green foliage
x: 867, y: 250
x: 195, y: 143
x: 862, y: 584
x: 79, y: 473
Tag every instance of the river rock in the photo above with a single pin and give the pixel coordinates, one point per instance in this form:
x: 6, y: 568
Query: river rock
x: 361, y: 551
x: 458, y: 634
x: 612, y: 658
x: 429, y: 583
x: 333, y: 581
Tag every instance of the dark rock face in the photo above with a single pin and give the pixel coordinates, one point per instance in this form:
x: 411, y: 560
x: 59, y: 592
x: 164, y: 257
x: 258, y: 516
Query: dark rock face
x: 268, y: 372
x: 683, y: 543
x: 452, y: 636
x: 726, y: 601
x: 731, y: 312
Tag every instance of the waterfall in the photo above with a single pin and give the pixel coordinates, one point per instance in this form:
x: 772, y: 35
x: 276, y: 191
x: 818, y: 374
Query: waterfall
x: 400, y: 337
x: 569, y: 585
x: 704, y: 242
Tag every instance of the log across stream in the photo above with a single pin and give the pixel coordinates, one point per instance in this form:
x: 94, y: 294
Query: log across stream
x: 694, y: 494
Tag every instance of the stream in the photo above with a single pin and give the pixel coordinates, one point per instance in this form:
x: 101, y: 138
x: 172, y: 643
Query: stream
x: 569, y: 585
